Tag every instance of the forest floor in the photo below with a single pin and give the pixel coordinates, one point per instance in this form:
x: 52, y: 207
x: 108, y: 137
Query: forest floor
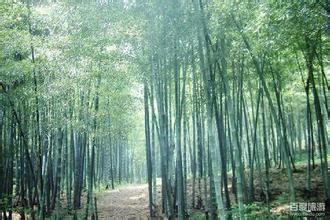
x: 125, y: 203
x: 131, y: 202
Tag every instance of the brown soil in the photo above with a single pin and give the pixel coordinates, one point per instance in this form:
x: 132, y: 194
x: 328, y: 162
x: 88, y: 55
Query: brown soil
x: 129, y: 203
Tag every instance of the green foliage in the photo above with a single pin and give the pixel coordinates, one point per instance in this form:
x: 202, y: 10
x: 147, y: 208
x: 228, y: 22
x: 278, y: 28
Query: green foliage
x: 197, y: 215
x: 283, y: 198
x: 72, y: 49
x: 81, y: 64
x: 255, y: 210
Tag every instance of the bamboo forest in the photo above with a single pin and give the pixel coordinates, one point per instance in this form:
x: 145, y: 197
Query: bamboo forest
x: 164, y: 109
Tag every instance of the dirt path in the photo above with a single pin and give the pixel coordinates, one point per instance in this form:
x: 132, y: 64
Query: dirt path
x: 128, y: 203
